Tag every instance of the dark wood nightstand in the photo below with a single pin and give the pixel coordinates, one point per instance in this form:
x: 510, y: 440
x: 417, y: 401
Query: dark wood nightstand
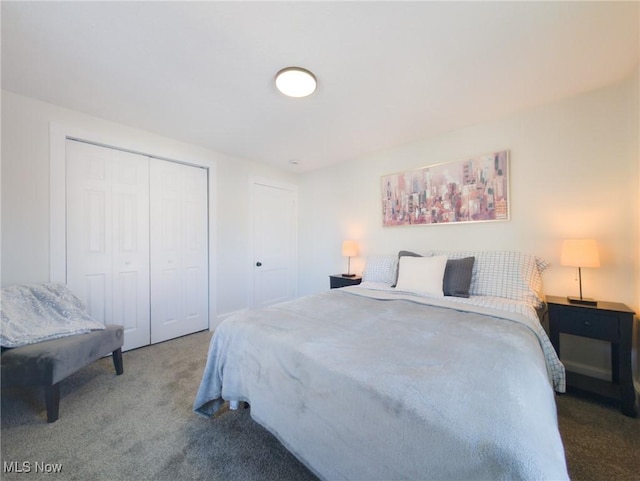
x: 607, y: 321
x: 338, y: 280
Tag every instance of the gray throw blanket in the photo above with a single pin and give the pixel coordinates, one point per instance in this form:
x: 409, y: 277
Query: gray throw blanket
x: 39, y: 312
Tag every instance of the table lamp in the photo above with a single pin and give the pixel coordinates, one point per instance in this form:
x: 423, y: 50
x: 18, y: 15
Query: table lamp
x: 580, y: 253
x: 349, y: 249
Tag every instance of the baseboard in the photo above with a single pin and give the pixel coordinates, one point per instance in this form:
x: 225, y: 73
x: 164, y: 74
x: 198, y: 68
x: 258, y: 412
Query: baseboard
x: 587, y: 370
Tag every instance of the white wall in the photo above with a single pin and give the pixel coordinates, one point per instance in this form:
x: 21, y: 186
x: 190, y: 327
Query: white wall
x: 574, y: 173
x: 25, y: 193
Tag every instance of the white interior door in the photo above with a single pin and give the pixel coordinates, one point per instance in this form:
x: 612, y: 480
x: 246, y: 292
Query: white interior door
x: 275, y: 244
x: 107, y: 227
x: 179, y: 250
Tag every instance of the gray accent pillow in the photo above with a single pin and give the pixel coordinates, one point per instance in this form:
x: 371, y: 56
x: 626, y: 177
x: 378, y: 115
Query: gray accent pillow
x: 457, y: 277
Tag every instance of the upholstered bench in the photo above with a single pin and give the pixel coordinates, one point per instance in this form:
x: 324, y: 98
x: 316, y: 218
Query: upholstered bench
x: 49, y: 362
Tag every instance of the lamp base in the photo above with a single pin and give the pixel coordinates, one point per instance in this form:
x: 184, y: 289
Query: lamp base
x: 585, y: 301
x: 348, y: 275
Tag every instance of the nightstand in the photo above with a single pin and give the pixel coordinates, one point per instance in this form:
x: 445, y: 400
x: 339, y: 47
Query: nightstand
x: 607, y: 321
x: 338, y: 280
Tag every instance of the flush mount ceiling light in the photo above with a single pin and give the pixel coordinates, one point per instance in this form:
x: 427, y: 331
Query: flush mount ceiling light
x: 296, y: 82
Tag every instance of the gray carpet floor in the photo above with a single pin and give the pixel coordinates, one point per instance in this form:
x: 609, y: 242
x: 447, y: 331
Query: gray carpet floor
x: 139, y: 426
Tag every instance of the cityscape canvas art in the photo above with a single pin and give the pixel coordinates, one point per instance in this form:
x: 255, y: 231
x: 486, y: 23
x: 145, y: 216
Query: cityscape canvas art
x: 473, y: 190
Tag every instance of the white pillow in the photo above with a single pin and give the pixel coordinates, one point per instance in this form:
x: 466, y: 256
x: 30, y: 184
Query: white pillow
x: 380, y: 269
x: 423, y: 275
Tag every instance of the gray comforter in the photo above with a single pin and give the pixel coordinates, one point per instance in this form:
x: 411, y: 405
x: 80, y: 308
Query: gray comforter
x: 359, y: 386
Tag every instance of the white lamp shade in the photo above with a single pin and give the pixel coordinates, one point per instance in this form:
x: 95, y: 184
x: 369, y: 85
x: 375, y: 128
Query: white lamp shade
x: 349, y: 248
x: 580, y: 253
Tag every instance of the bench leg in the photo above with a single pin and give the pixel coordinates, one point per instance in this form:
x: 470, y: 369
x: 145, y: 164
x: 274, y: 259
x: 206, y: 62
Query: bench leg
x: 52, y: 401
x: 117, y: 361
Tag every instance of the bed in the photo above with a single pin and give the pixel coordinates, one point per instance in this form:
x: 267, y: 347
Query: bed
x: 388, y: 380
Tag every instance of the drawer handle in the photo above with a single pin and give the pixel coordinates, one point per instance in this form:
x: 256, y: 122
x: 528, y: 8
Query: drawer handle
x: 587, y: 323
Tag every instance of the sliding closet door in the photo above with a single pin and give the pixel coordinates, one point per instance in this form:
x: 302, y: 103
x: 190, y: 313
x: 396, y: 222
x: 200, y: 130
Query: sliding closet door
x: 107, y: 207
x: 179, y: 250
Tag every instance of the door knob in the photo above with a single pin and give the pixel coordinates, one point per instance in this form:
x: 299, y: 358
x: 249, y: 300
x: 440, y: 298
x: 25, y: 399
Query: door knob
x: 258, y: 264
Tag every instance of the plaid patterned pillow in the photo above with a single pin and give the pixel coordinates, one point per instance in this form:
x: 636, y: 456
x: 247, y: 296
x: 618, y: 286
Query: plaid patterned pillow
x: 512, y: 275
x: 380, y: 269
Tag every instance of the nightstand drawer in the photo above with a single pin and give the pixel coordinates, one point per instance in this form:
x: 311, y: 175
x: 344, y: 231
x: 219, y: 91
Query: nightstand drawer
x: 339, y: 280
x: 596, y: 325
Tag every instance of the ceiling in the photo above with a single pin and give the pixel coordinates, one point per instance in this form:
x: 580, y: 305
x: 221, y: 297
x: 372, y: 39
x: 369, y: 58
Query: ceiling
x: 388, y: 72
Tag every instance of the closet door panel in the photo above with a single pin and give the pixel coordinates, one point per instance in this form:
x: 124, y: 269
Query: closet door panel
x: 108, y: 236
x: 167, y: 307
x: 130, y: 247
x: 196, y: 262
x: 196, y: 257
x: 88, y: 206
x: 93, y: 288
x: 179, y: 250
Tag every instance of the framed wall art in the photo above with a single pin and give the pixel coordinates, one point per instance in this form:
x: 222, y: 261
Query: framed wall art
x: 473, y: 190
